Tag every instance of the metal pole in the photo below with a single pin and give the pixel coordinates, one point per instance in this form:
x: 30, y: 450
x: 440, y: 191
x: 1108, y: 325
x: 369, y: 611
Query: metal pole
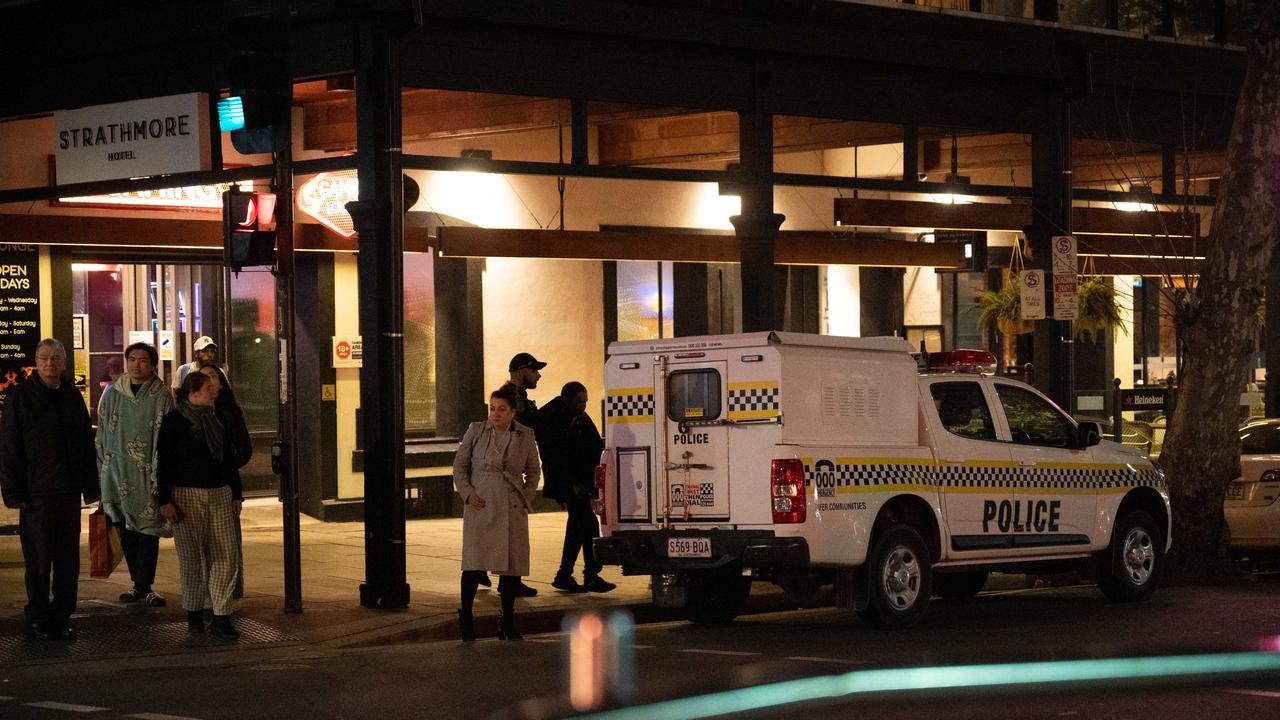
x: 282, y: 185
x: 378, y: 220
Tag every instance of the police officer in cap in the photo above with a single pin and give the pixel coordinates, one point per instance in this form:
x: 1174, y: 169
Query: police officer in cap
x: 524, y: 369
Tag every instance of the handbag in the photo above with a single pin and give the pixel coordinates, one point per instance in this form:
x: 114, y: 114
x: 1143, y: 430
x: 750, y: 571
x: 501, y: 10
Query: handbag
x: 105, y: 550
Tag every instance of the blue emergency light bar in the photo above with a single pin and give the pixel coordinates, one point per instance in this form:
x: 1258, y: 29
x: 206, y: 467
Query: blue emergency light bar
x: 231, y: 113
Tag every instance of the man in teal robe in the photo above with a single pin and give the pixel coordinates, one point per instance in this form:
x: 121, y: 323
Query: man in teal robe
x: 129, y: 416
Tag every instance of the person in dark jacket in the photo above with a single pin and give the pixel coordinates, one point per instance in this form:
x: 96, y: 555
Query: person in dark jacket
x: 571, y: 447
x: 199, y: 492
x: 239, y: 449
x: 47, y: 463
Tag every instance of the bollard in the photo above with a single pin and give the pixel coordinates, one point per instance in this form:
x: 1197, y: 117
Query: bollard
x: 599, y: 659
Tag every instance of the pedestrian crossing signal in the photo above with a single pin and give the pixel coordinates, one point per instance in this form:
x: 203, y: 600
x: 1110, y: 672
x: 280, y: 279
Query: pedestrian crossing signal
x: 249, y: 228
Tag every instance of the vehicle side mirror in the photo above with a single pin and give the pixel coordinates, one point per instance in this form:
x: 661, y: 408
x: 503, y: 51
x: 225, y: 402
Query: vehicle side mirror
x: 1089, y: 434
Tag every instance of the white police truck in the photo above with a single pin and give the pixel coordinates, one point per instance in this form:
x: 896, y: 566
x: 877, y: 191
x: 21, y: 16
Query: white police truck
x: 809, y: 460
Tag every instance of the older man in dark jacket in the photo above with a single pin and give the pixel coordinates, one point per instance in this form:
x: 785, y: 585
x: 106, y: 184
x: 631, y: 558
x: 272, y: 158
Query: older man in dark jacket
x: 571, y: 448
x: 47, y: 463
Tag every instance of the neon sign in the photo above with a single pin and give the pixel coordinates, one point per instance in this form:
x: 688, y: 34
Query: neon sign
x: 325, y: 196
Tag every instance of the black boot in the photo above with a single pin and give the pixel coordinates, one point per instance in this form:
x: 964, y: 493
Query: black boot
x: 466, y: 626
x: 222, y: 626
x: 507, y: 620
x: 195, y: 622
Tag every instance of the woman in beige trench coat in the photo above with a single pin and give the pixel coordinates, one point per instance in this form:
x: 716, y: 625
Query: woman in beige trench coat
x: 496, y: 472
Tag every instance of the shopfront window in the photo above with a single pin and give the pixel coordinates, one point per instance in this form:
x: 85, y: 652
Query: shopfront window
x: 645, y: 300
x: 251, y: 352
x: 419, y: 342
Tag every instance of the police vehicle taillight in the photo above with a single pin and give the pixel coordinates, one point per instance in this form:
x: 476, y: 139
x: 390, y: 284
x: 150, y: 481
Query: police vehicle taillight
x: 786, y: 479
x: 966, y: 361
x: 599, y: 478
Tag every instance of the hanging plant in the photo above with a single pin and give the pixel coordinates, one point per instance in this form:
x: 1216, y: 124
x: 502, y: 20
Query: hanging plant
x: 1098, y: 308
x: 1002, y: 310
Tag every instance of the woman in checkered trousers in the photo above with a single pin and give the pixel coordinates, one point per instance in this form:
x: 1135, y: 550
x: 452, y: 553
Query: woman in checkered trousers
x: 199, y: 491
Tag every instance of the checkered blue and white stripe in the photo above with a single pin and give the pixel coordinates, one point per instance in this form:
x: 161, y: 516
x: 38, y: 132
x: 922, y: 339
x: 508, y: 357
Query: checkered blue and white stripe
x: 631, y: 405
x: 756, y: 398
x: 854, y: 474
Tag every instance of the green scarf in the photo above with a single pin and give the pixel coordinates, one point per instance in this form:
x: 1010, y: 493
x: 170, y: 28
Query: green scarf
x: 206, y: 426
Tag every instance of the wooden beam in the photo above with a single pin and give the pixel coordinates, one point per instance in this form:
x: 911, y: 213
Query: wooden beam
x: 792, y: 248
x: 1148, y: 267
x: 862, y: 212
x: 165, y: 233
x: 1139, y: 245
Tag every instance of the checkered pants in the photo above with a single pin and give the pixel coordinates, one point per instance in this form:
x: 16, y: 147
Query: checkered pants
x: 207, y: 549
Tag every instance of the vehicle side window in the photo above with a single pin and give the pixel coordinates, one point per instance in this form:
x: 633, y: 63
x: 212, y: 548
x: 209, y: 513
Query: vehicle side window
x: 1032, y: 421
x: 963, y: 410
x: 693, y: 395
x: 1260, y: 440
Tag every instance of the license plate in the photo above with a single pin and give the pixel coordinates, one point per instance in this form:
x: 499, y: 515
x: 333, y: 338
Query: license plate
x: 689, y: 547
x: 1235, y: 492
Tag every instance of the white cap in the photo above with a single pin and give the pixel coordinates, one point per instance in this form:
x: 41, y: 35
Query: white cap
x: 203, y: 342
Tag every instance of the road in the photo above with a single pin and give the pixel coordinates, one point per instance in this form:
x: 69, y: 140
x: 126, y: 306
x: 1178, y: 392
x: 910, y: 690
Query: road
x: 453, y: 680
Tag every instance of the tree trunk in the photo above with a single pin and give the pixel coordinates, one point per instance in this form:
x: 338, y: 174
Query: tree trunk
x: 1202, y: 453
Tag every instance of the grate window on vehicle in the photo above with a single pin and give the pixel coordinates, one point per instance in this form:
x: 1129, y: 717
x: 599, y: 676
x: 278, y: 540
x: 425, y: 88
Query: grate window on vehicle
x: 693, y: 395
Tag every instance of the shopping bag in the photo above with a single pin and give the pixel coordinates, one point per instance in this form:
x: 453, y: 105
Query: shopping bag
x: 105, y: 550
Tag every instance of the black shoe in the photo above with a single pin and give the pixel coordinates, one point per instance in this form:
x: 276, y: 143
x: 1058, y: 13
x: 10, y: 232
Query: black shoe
x: 466, y: 626
x: 154, y: 600
x: 567, y: 584
x: 65, y: 632
x: 132, y: 596
x: 41, y: 631
x: 598, y: 585
x: 222, y: 627
x: 485, y: 581
x: 526, y: 591
x: 195, y: 622
x: 507, y: 627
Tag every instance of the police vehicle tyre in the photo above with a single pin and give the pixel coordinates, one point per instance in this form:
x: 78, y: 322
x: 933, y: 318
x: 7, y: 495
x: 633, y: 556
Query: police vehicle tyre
x: 717, y: 600
x: 901, y: 579
x: 1133, y: 561
x: 959, y: 586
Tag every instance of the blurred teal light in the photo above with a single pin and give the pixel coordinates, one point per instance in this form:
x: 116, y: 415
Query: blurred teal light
x: 231, y: 113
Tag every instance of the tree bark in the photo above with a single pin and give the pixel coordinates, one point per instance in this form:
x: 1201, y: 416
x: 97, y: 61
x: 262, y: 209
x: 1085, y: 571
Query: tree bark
x: 1202, y: 453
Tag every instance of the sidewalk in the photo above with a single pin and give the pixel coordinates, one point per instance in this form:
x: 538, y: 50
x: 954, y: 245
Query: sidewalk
x: 332, y: 570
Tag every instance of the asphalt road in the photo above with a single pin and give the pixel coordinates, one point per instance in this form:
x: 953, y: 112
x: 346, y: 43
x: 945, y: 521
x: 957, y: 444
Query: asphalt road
x: 674, y: 660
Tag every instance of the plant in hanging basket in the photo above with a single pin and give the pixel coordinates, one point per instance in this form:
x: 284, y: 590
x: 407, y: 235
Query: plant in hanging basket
x: 1098, y: 308
x: 1002, y: 310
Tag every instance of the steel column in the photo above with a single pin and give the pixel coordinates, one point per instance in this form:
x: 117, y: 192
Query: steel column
x: 1051, y: 215
x: 378, y: 220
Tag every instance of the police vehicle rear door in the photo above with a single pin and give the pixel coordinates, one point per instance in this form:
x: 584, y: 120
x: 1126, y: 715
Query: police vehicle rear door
x: 1056, y: 499
x: 973, y: 464
x: 692, y: 407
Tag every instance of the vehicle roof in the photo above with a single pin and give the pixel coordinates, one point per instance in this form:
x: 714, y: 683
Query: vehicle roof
x: 761, y: 339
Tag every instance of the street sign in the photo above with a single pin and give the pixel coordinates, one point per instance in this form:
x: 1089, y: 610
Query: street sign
x: 1031, y: 294
x: 1064, y: 254
x: 1066, y: 303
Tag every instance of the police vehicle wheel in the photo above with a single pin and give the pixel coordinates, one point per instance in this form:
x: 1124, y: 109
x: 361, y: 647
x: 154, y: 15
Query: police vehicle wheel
x: 901, y: 578
x: 1134, y: 559
x: 960, y: 586
x: 717, y: 600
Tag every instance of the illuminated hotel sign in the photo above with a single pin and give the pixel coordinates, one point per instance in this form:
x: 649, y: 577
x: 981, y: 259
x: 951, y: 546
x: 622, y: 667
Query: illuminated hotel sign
x: 325, y: 196
x: 206, y: 197
x: 140, y: 138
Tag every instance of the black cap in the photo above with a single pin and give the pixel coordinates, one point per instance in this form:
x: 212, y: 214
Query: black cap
x: 524, y: 360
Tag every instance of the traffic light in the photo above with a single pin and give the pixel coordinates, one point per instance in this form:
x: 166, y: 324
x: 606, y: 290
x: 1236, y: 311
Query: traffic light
x: 249, y: 228
x: 261, y: 84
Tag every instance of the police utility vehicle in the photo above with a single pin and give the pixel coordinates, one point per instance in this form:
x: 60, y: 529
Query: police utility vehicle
x: 810, y: 460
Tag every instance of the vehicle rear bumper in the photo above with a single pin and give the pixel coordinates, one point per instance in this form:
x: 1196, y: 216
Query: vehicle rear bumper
x: 640, y: 552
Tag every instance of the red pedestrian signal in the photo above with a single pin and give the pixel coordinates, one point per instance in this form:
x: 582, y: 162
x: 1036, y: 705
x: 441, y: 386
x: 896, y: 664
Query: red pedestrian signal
x: 249, y: 228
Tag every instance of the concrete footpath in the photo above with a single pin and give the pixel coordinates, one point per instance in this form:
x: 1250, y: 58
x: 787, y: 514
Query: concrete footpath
x: 332, y: 571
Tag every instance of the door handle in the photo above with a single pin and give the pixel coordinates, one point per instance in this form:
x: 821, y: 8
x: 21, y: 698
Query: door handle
x: 1027, y: 463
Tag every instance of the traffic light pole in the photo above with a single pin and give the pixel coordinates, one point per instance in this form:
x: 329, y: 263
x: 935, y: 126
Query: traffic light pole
x: 284, y: 453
